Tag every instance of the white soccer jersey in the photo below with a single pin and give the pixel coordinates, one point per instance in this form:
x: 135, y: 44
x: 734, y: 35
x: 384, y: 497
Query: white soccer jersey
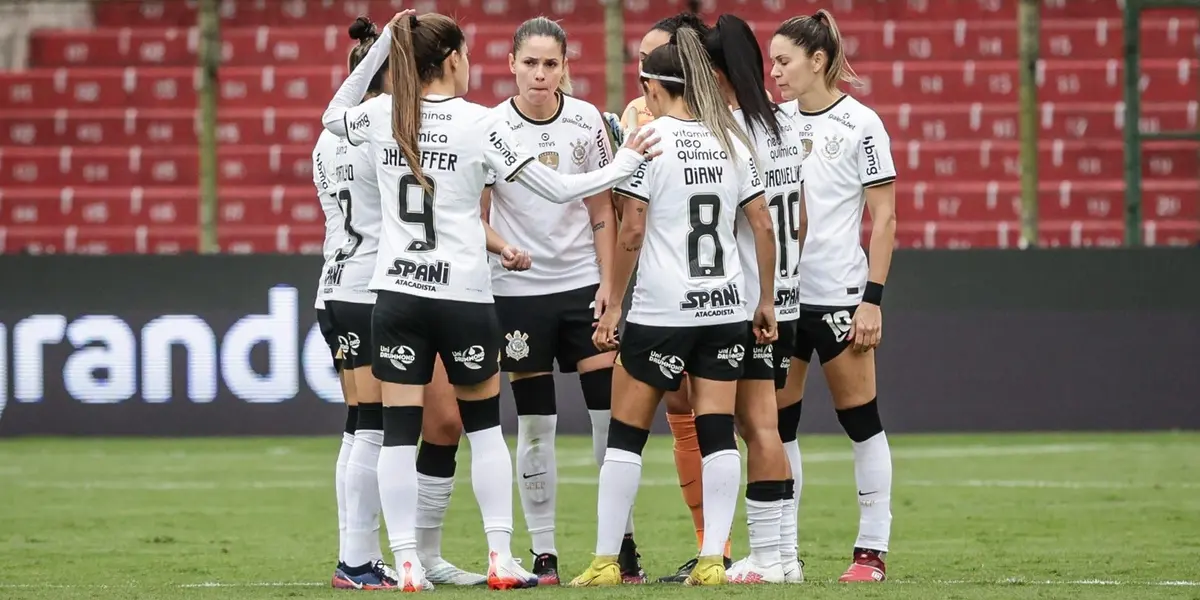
x: 433, y: 242
x: 849, y: 151
x: 557, y: 236
x: 780, y: 167
x: 323, y: 156
x: 349, y: 273
x: 690, y: 272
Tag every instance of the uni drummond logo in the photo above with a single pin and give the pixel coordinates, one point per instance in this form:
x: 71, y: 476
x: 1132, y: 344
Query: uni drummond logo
x: 109, y: 362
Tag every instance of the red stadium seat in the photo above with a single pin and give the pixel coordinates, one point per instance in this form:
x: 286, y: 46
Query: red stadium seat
x: 98, y: 137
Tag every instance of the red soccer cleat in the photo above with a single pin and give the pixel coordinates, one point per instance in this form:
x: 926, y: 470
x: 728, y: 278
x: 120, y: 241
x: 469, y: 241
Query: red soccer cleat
x: 867, y: 566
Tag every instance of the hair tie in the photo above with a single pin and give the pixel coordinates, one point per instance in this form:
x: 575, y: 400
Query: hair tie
x: 413, y: 22
x: 818, y: 16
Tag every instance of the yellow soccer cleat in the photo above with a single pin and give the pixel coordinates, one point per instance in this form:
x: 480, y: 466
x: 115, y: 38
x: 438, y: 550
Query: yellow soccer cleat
x: 604, y: 570
x: 709, y: 570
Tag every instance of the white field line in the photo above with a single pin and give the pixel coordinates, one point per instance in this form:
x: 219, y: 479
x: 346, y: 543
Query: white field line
x: 1013, y: 581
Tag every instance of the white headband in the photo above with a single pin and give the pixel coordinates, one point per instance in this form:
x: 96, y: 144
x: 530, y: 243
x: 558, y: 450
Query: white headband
x: 646, y: 75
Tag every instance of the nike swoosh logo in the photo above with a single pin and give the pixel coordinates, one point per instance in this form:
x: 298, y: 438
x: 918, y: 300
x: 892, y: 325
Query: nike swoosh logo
x: 528, y: 476
x: 862, y: 493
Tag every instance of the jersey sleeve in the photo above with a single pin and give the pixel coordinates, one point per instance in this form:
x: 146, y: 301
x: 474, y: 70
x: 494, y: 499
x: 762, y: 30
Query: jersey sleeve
x: 875, y: 166
x: 600, y: 152
x: 360, y: 120
x: 637, y: 186
x: 344, y: 115
x: 502, y: 151
x: 319, y: 172
x: 490, y: 179
x: 750, y: 184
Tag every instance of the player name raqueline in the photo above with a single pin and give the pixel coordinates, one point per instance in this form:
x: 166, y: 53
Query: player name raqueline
x: 702, y: 175
x: 430, y: 160
x: 783, y: 177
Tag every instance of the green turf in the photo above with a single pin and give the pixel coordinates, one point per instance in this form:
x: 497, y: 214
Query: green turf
x: 996, y: 516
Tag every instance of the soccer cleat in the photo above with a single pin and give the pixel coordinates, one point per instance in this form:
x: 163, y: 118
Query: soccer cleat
x: 377, y: 576
x: 867, y: 566
x: 709, y: 570
x: 603, y: 571
x: 681, y: 574
x: 410, y: 575
x: 441, y: 572
x: 746, y: 571
x: 630, y: 562
x: 505, y: 573
x: 545, y: 567
x: 793, y: 571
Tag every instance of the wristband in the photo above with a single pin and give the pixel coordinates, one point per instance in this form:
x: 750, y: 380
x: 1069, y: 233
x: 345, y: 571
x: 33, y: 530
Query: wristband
x: 873, y: 294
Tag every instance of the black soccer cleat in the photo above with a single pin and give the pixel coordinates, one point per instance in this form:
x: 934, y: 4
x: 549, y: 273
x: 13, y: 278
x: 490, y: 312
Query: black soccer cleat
x: 545, y: 566
x: 681, y: 574
x: 630, y: 562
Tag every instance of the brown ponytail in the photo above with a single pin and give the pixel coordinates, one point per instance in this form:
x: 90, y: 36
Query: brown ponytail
x: 820, y: 33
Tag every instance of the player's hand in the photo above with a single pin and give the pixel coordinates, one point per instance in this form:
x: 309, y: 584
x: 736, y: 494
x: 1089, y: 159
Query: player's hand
x: 644, y: 141
x: 605, y: 336
x: 616, y: 133
x: 866, y: 331
x: 404, y: 14
x: 600, y: 306
x: 766, y: 330
x: 515, y: 259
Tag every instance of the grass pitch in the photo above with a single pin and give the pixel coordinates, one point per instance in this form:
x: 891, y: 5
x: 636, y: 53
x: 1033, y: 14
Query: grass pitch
x: 980, y: 516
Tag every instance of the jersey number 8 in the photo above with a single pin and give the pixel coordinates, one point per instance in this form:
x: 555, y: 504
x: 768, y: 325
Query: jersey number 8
x: 410, y: 185
x: 704, y: 212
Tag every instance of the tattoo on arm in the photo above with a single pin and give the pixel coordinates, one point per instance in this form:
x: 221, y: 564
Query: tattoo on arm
x: 631, y: 247
x: 598, y: 226
x: 641, y: 209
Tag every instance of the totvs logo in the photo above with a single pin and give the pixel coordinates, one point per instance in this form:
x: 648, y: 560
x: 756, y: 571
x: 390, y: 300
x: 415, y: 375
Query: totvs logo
x: 109, y: 362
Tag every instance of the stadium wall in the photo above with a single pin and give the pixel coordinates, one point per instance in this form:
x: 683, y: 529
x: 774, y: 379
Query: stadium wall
x: 974, y: 341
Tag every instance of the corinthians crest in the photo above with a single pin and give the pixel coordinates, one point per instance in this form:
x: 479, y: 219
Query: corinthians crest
x: 518, y: 346
x: 550, y: 159
x: 832, y: 147
x: 579, y: 152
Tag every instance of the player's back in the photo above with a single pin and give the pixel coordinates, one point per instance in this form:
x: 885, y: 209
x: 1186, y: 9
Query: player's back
x: 689, y: 272
x: 357, y: 197
x: 324, y: 158
x: 780, y: 164
x: 434, y: 242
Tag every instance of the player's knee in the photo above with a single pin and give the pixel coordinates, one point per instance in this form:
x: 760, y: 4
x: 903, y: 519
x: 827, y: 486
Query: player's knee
x: 437, y: 460
x: 628, y: 438
x: 789, y: 422
x: 534, y: 395
x: 597, y: 389
x: 444, y: 430
x: 401, y: 425
x: 861, y: 423
x: 478, y: 415
x: 714, y: 433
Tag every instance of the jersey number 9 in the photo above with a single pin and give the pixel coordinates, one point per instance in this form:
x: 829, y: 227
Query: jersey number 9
x: 409, y: 186
x: 704, y: 212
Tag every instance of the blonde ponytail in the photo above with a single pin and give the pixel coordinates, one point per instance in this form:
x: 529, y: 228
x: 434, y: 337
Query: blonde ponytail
x: 702, y: 94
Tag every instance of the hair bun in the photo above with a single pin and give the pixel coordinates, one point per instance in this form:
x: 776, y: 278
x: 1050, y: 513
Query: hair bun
x: 363, y: 29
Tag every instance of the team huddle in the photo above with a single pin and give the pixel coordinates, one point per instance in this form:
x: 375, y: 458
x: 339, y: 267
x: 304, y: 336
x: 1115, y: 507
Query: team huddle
x: 701, y: 263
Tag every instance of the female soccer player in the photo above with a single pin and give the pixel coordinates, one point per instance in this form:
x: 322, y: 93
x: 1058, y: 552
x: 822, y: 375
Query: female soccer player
x: 688, y: 303
x: 548, y: 311
x: 775, y: 138
x: 840, y: 293
x: 433, y: 153
x: 346, y: 178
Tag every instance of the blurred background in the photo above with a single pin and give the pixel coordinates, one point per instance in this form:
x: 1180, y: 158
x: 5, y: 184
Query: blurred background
x: 106, y: 107
x: 175, y: 137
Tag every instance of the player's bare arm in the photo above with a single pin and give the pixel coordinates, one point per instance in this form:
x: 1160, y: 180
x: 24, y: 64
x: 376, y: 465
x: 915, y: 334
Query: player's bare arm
x: 759, y: 216
x: 867, y: 332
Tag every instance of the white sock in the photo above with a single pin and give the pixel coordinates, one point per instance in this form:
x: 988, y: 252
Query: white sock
x: 600, y: 421
x: 339, y: 484
x: 398, y: 490
x: 873, y: 474
x: 619, y: 479
x: 492, y: 481
x: 764, y: 521
x: 363, y: 498
x: 433, y: 498
x: 538, y: 468
x: 789, y: 531
x: 721, y: 473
